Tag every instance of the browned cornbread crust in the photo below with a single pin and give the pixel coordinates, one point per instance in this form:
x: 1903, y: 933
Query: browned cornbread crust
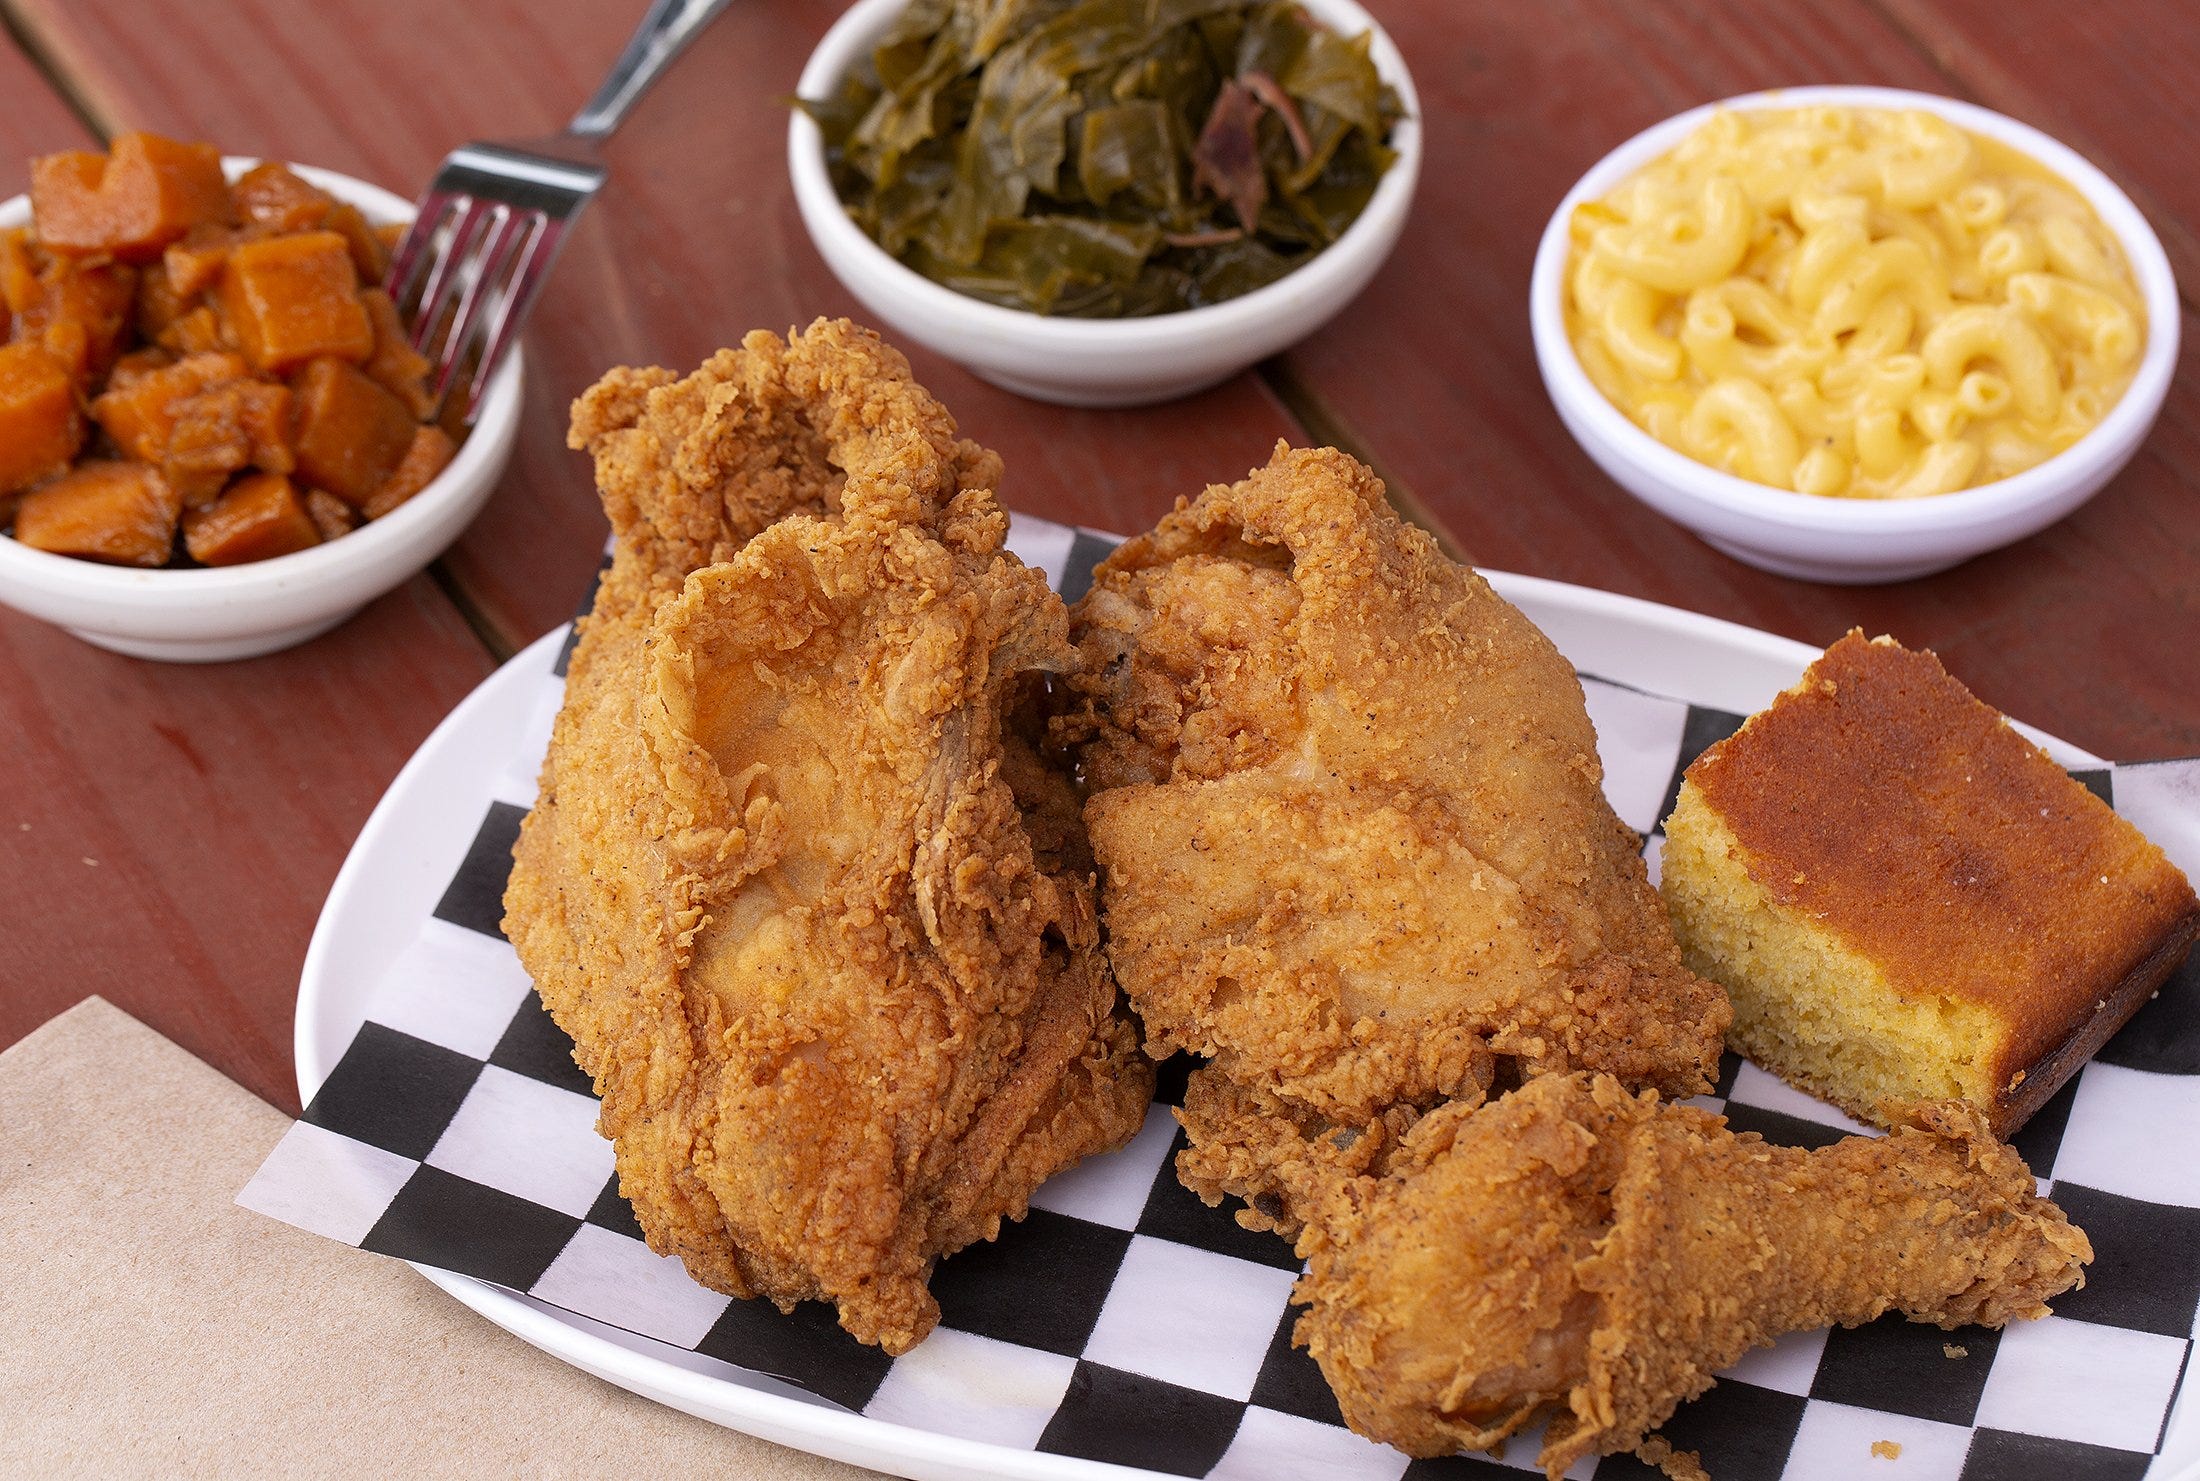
x: 1910, y: 821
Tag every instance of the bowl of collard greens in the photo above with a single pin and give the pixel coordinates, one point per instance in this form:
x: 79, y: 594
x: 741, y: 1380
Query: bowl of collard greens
x: 1105, y: 202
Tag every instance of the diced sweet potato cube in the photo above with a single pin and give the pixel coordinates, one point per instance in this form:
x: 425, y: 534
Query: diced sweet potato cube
x: 80, y: 313
x: 287, y: 300
x: 129, y: 203
x: 258, y: 518
x: 195, y: 262
x: 20, y: 261
x: 401, y: 369
x: 40, y: 428
x: 347, y: 433
x: 429, y: 454
x: 198, y: 475
x: 264, y: 414
x: 68, y: 342
x: 68, y: 209
x: 121, y: 513
x: 140, y: 416
x: 330, y: 515
x: 196, y: 333
x: 158, y: 303
x: 137, y: 364
x: 275, y: 196
x: 367, y: 252
x: 221, y: 431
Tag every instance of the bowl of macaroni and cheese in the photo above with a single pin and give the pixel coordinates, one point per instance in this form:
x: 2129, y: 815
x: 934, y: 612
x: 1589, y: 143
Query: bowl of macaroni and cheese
x: 1853, y: 334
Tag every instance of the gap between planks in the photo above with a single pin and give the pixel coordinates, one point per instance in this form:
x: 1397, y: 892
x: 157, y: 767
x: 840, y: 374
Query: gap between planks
x: 42, y: 56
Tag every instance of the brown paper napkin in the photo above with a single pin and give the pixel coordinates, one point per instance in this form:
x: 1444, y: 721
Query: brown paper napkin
x: 148, y: 1325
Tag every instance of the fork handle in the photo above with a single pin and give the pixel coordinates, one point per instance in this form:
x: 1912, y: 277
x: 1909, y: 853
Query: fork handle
x: 663, y: 34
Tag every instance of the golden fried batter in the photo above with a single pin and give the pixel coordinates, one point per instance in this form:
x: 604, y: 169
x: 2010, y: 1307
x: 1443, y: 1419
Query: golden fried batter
x: 1348, y: 810
x: 844, y: 1013
x: 1579, y: 1251
x: 690, y: 467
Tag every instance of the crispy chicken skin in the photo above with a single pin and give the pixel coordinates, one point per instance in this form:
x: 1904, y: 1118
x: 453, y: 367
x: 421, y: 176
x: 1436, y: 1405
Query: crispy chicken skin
x: 798, y: 899
x: 1579, y: 1251
x: 690, y: 467
x: 1348, y: 811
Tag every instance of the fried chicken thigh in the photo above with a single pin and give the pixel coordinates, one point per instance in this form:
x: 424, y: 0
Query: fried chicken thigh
x: 799, y: 901
x: 1583, y: 1252
x: 1347, y: 805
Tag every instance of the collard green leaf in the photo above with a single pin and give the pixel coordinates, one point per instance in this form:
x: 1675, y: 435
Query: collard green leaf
x: 1237, y: 268
x: 1107, y: 157
x: 1128, y: 147
x: 837, y: 114
x: 918, y: 22
x: 1002, y: 21
x: 912, y: 73
x: 1271, y: 39
x: 1333, y: 73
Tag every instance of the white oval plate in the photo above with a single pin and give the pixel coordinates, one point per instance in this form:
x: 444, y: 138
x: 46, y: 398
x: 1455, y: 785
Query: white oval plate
x: 420, y: 831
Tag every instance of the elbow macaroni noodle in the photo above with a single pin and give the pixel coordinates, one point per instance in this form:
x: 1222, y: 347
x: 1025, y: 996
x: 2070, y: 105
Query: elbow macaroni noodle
x: 1857, y: 303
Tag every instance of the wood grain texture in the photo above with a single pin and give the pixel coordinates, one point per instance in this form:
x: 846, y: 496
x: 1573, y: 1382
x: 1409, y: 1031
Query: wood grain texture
x: 35, y: 120
x: 2085, y: 630
x: 168, y: 832
x: 694, y: 242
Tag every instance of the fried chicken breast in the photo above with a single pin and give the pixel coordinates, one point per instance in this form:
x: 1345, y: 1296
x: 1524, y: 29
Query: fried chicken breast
x: 781, y: 884
x: 1348, y: 811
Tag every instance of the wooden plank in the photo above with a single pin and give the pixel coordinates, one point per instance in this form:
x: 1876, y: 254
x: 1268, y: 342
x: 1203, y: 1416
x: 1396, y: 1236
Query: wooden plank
x: 168, y: 832
x: 695, y: 241
x: 2085, y: 629
x: 171, y: 830
x: 36, y: 120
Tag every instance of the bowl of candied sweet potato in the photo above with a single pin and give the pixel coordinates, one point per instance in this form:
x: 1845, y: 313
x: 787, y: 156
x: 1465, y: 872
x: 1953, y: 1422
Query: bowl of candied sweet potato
x: 216, y: 438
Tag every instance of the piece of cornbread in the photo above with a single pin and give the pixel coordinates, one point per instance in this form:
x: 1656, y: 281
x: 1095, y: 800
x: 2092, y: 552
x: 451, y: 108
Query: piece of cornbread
x: 1909, y: 901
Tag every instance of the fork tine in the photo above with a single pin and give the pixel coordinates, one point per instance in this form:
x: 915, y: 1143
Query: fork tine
x: 491, y: 267
x: 482, y: 240
x: 447, y: 274
x: 413, y: 250
x: 531, y: 265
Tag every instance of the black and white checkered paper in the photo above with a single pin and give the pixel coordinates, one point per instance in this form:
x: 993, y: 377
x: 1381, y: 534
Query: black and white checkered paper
x: 1126, y: 1322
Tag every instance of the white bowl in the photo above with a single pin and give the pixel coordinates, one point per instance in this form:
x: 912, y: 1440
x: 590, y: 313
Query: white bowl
x: 221, y: 612
x: 1099, y: 362
x: 1855, y: 540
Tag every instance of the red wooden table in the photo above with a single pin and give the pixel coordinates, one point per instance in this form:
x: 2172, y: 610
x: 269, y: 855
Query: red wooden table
x: 167, y: 834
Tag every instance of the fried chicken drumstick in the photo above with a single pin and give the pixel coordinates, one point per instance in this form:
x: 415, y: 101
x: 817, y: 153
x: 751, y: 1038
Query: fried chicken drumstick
x: 1577, y: 1250
x: 793, y: 891
x: 1348, y: 811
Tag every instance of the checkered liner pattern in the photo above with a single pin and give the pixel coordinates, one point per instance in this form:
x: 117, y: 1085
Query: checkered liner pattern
x: 1126, y: 1322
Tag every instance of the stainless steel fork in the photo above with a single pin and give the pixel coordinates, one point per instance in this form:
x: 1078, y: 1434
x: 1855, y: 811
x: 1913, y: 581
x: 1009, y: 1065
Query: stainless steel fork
x: 492, y: 220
